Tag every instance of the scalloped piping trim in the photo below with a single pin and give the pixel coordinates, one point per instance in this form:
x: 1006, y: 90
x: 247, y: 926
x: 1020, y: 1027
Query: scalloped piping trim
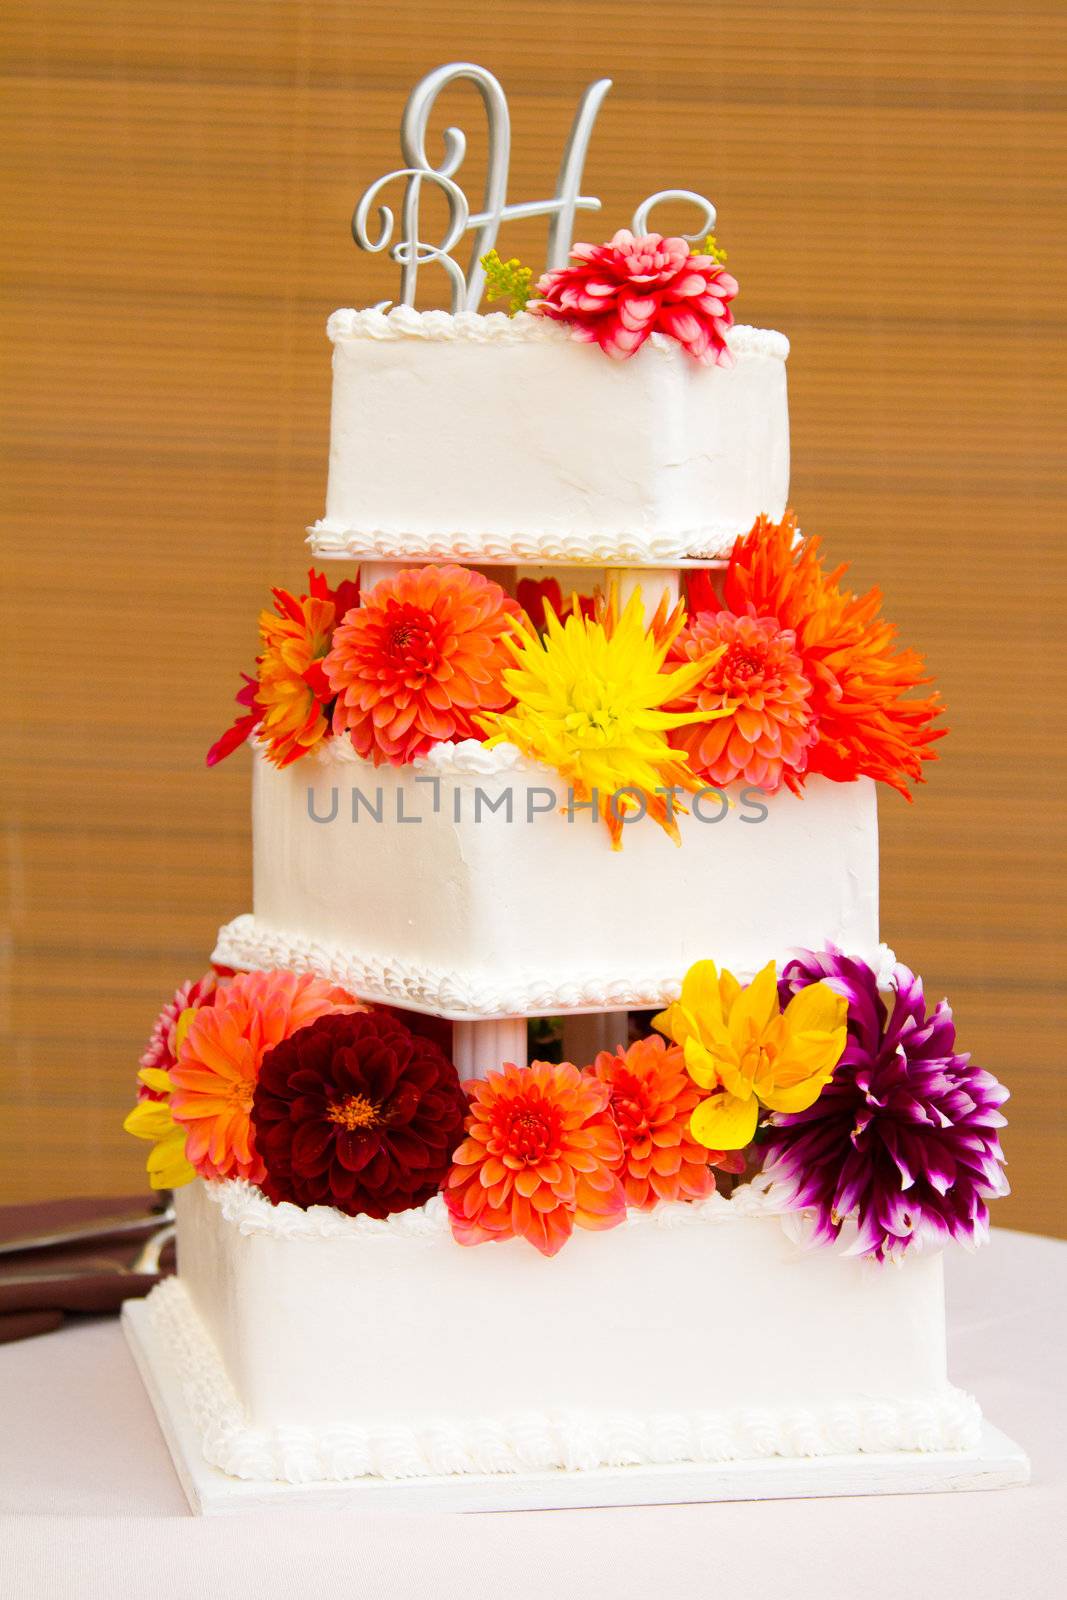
x: 532, y: 1440
x: 622, y: 548
x: 494, y: 327
x: 250, y: 1212
x: 246, y: 944
x: 463, y: 758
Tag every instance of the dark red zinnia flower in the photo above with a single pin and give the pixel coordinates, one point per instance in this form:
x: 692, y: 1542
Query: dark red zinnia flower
x: 356, y: 1111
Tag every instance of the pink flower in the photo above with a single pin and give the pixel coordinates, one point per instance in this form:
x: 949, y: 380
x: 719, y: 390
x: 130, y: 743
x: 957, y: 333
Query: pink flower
x: 161, y: 1051
x: 619, y: 293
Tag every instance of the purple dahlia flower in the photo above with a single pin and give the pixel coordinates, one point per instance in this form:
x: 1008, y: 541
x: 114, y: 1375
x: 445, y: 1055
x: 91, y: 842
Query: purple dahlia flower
x: 904, y: 1137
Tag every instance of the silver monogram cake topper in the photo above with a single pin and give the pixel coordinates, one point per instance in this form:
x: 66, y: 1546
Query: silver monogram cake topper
x: 410, y: 252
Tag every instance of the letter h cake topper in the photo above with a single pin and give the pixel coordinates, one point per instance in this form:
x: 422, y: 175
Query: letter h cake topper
x: 410, y: 252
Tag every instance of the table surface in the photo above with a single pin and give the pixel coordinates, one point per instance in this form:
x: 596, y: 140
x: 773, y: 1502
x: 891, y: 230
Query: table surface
x: 91, y: 1506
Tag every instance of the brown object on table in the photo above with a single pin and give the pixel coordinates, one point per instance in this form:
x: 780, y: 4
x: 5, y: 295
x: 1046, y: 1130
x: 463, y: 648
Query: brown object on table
x: 40, y: 1288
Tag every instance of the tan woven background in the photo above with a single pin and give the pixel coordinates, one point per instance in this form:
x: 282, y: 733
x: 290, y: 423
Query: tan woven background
x: 177, y: 182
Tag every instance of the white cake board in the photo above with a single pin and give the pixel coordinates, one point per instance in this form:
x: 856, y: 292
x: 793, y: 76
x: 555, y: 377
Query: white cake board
x: 997, y: 1463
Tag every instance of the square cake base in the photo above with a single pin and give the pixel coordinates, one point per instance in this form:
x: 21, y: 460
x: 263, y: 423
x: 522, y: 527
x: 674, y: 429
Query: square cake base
x: 994, y: 1464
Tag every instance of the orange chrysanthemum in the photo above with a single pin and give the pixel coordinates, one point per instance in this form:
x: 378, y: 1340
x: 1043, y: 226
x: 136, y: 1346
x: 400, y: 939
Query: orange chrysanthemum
x: 652, y: 1099
x: 290, y: 692
x: 539, y: 1157
x: 220, y: 1049
x: 422, y: 655
x: 769, y: 728
x: 289, y: 701
x: 847, y: 650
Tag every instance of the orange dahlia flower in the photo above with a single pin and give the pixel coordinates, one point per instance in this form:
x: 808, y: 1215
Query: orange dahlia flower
x: 422, y: 655
x: 290, y: 692
x: 652, y: 1100
x: 220, y: 1048
x: 859, y: 678
x: 289, y: 702
x: 768, y: 729
x: 540, y: 1156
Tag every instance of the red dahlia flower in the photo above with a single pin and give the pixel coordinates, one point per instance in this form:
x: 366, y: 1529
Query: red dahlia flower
x: 356, y: 1111
x: 618, y: 293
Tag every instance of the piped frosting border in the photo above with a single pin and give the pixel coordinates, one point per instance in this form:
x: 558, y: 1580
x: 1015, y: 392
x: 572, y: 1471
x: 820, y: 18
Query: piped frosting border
x: 626, y: 548
x: 534, y: 1440
x: 494, y: 327
x: 247, y: 944
x: 248, y: 1210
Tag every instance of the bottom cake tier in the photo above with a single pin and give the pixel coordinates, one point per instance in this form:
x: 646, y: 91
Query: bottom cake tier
x: 315, y: 1347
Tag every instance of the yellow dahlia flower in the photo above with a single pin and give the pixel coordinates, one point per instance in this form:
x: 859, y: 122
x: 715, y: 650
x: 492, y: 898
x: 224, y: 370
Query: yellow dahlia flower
x: 152, y: 1120
x: 747, y: 1052
x: 588, y: 694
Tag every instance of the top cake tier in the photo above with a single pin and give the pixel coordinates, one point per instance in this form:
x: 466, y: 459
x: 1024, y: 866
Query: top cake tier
x: 501, y: 439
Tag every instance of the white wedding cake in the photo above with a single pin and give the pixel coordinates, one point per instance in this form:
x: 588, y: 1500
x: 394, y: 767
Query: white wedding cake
x: 571, y: 725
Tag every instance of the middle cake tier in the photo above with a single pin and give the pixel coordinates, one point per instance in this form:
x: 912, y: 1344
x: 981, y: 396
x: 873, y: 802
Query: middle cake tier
x: 470, y: 885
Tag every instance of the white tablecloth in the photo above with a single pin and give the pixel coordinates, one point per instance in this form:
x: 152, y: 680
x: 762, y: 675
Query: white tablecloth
x: 91, y: 1507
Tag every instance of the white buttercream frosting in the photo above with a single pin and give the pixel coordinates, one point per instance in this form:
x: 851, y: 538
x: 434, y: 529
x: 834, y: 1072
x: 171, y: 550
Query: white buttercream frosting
x: 249, y: 945
x: 463, y: 886
x: 533, y: 1439
x: 495, y: 327
x: 450, y: 758
x: 710, y: 540
x: 493, y: 438
x: 249, y: 1211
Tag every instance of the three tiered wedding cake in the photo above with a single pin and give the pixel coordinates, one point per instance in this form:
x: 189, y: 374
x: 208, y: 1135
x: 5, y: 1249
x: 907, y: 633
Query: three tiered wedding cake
x: 584, y: 730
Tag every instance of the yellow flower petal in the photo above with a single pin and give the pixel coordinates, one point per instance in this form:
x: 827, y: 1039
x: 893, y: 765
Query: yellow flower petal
x: 701, y: 995
x: 156, y: 1078
x: 799, y: 1096
x: 150, y: 1119
x: 817, y: 1009
x: 740, y: 1078
x: 700, y: 1064
x: 167, y: 1164
x: 729, y: 989
x: 677, y: 1023
x: 663, y: 1022
x: 183, y: 1026
x: 723, y: 1122
x: 756, y: 1006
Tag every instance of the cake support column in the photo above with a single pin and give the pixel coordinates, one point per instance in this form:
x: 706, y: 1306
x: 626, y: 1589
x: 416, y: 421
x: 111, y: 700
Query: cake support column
x: 481, y: 1047
x: 653, y: 582
x: 372, y: 572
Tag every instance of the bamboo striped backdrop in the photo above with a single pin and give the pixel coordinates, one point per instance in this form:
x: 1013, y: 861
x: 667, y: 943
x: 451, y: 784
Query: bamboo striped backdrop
x: 177, y: 182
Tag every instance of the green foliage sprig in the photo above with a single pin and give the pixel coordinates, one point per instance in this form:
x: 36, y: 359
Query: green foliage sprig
x: 712, y: 248
x: 507, y: 280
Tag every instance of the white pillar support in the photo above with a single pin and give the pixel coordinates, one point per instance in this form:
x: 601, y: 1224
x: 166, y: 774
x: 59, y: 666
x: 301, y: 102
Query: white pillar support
x: 585, y: 1035
x: 652, y: 582
x: 373, y: 572
x: 481, y: 1047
